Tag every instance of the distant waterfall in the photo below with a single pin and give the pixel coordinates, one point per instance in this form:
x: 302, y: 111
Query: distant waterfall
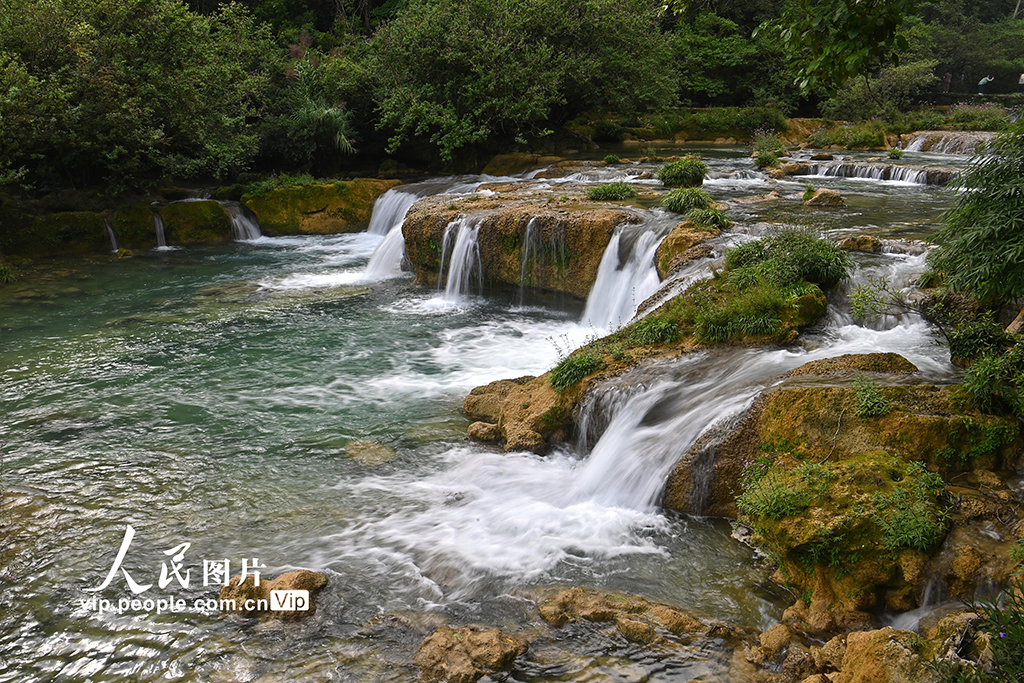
x: 158, y: 227
x: 622, y: 284
x: 948, y: 142
x: 244, y: 227
x: 462, y: 251
x: 110, y: 233
x: 920, y: 175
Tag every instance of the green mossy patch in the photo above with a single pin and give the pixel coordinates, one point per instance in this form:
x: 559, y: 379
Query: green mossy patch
x: 72, y: 232
x: 329, y: 208
x: 196, y: 222
x: 133, y: 226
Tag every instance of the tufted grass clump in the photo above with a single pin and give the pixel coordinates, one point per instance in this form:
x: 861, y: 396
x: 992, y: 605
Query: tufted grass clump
x: 574, y: 368
x: 809, y: 191
x: 654, y: 330
x: 792, y: 255
x: 686, y: 172
x: 611, y: 192
x: 909, y: 516
x: 895, y: 153
x: 684, y: 199
x: 767, y: 160
x: 709, y: 218
x: 868, y: 400
x: 8, y: 274
x: 774, y: 497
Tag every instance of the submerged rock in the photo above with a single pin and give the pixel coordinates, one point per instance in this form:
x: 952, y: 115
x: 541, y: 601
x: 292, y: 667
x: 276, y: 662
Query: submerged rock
x: 369, y: 452
x: 466, y: 655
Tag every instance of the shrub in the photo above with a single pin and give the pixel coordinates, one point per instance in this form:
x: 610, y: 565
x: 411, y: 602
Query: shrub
x: 709, y: 218
x: 652, y: 330
x: 8, y: 274
x: 687, y: 172
x: 611, y: 192
x: 685, y: 199
x: 910, y: 516
x: 606, y: 131
x: 981, y: 241
x: 895, y: 153
x: 611, y: 159
x: 987, y: 116
x: 268, y: 183
x: 996, y: 382
x: 574, y: 368
x: 809, y: 192
x: 869, y: 400
x: 766, y: 160
x: 792, y: 255
x: 767, y: 142
x: 973, y: 339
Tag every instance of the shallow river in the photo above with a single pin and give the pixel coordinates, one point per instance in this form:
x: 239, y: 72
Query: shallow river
x: 267, y: 401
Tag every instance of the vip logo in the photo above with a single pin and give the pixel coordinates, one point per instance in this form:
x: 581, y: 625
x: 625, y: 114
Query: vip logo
x: 289, y: 601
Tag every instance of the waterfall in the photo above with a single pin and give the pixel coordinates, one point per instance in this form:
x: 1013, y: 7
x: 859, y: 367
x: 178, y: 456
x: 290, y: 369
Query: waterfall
x: 920, y: 175
x: 386, y: 261
x: 461, y: 241
x: 158, y: 227
x: 533, y: 247
x: 244, y: 226
x: 389, y: 211
x: 623, y: 284
x: 948, y: 142
x: 110, y: 233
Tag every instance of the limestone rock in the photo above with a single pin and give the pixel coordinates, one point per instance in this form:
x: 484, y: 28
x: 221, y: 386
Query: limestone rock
x: 824, y: 196
x: 369, y: 452
x: 829, y: 656
x: 822, y: 156
x: 328, y: 208
x: 204, y: 222
x: 484, y: 403
x: 250, y: 600
x: 882, y: 656
x: 484, y: 431
x: 856, y: 363
x: 682, y: 238
x: 867, y: 244
x: 468, y: 654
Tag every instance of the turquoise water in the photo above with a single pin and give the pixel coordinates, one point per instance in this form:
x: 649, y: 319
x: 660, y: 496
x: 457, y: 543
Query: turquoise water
x: 263, y: 400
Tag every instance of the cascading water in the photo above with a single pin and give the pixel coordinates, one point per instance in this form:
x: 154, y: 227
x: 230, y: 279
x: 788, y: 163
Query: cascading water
x: 158, y: 227
x: 948, y: 142
x: 244, y: 226
x: 462, y: 252
x: 390, y: 209
x: 110, y: 233
x: 919, y: 175
x: 622, y: 284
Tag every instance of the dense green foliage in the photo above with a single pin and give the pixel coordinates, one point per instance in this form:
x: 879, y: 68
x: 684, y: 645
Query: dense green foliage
x: 686, y: 199
x: 790, y: 256
x: 709, y: 218
x: 611, y: 192
x: 686, y: 172
x: 110, y: 89
x: 996, y: 382
x: 869, y: 400
x: 509, y: 67
x: 981, y: 242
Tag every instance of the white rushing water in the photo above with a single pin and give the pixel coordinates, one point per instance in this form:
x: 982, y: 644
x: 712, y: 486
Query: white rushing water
x: 623, y: 284
x: 244, y: 226
x: 948, y: 142
x: 158, y: 227
x: 109, y: 221
x: 461, y: 250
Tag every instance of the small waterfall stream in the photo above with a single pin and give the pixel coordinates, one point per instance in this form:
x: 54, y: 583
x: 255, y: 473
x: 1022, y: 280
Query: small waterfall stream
x: 244, y: 226
x: 158, y: 227
x: 948, y: 142
x: 626, y: 277
x: 461, y: 250
x: 109, y: 220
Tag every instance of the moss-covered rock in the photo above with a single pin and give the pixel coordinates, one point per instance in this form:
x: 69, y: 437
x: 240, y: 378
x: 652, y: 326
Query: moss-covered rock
x: 680, y: 241
x: 517, y: 162
x: 205, y: 222
x: 567, y: 241
x: 51, y: 234
x: 342, y: 206
x: 133, y: 226
x: 467, y: 654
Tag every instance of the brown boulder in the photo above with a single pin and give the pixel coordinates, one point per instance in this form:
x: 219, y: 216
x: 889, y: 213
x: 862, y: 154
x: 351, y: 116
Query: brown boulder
x: 468, y: 654
x: 682, y: 238
x: 824, y: 196
x: 484, y: 403
x: 867, y: 244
